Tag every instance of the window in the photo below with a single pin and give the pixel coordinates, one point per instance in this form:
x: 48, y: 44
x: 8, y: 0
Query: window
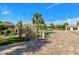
x: 76, y: 28
x: 68, y: 28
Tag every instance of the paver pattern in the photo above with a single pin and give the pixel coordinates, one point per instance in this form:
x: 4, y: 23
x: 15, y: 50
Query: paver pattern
x: 59, y: 43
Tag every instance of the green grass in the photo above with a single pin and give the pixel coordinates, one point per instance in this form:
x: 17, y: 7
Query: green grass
x: 10, y: 41
x: 50, y: 32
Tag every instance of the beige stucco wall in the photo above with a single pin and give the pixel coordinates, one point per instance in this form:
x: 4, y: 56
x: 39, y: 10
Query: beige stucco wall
x: 78, y: 29
x: 71, y: 29
x: 66, y: 28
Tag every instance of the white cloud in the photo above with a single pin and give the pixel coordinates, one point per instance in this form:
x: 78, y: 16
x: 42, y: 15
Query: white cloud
x: 72, y: 21
x: 53, y: 5
x: 58, y: 22
x: 4, y: 20
x: 68, y: 20
x: 5, y: 12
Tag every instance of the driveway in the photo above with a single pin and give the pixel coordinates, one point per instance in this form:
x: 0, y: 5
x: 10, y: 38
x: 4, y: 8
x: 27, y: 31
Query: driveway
x: 60, y: 43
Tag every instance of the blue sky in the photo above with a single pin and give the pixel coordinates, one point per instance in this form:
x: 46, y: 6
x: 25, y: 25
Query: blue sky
x: 57, y: 13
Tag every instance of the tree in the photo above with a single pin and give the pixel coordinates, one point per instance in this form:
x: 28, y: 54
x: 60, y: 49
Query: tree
x: 19, y: 29
x: 38, y: 21
x: 42, y: 24
x: 65, y: 24
x: 51, y: 24
x: 2, y: 26
x: 77, y: 23
x: 0, y: 21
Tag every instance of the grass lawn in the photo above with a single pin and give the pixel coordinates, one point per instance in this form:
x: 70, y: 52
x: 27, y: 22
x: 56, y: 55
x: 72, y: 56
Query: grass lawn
x: 10, y: 41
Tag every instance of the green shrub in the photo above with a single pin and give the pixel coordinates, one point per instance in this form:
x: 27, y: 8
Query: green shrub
x: 1, y: 33
x: 10, y: 41
x: 8, y: 31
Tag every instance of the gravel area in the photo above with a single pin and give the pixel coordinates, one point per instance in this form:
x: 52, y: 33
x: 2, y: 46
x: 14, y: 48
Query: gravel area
x: 60, y: 43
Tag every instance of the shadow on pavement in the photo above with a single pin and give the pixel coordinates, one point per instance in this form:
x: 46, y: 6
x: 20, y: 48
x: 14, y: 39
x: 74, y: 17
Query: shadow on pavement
x: 31, y: 46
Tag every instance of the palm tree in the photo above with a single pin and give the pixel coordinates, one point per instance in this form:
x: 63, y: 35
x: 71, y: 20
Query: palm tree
x: 42, y: 24
x: 38, y: 21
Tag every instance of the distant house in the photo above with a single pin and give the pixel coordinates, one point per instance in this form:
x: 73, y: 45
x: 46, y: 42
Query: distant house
x: 9, y: 25
x: 72, y: 28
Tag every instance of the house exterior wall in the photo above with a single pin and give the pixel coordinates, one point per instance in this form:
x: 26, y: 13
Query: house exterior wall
x: 71, y: 29
x: 78, y: 29
x: 66, y: 28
